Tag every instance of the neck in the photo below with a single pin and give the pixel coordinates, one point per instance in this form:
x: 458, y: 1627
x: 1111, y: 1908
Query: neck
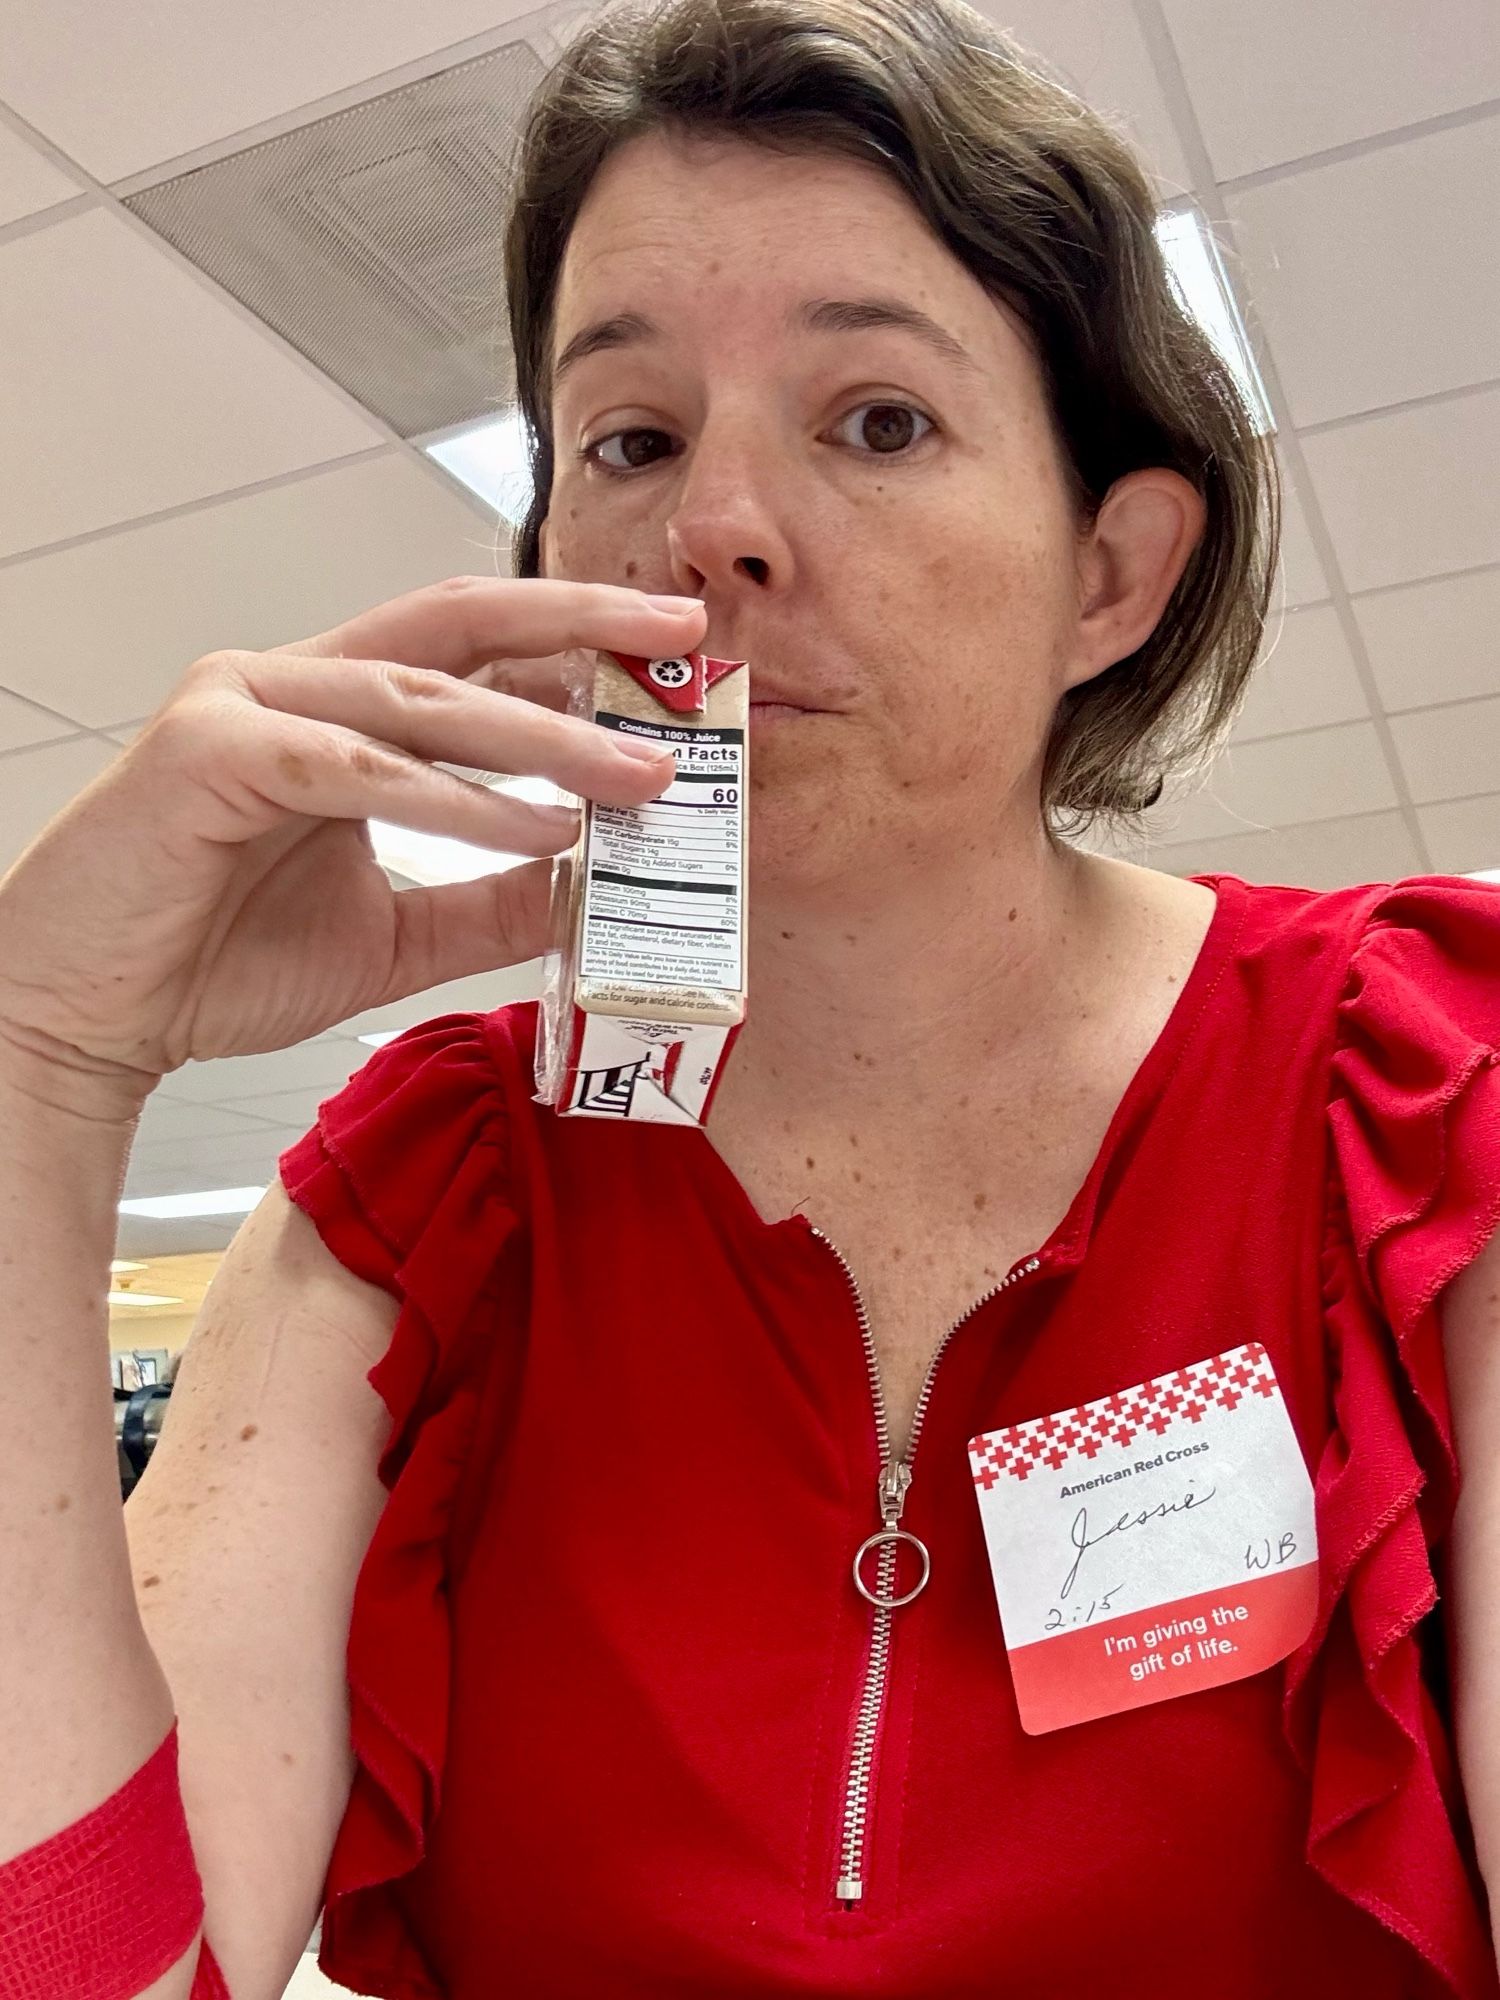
x: 874, y: 999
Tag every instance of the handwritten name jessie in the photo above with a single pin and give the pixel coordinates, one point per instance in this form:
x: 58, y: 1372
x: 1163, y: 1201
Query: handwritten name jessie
x: 1079, y: 1536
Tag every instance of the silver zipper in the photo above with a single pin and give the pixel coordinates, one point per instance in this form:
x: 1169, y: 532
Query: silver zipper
x: 895, y: 1477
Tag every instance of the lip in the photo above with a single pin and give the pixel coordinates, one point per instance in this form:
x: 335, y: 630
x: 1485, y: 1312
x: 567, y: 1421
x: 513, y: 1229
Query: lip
x: 778, y: 711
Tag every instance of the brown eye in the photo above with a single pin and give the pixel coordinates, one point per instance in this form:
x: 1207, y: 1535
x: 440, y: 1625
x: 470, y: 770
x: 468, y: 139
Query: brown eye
x: 635, y: 455
x: 887, y: 428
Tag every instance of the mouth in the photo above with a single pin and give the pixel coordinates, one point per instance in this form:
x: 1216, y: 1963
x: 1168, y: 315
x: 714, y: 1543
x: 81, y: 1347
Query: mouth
x: 764, y: 711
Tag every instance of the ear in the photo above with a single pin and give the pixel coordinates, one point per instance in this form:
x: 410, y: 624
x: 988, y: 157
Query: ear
x: 1129, y: 562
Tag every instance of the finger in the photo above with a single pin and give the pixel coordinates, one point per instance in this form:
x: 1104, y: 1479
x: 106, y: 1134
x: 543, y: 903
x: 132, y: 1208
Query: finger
x: 456, y: 626
x: 543, y: 681
x: 460, y: 928
x: 276, y: 764
x: 431, y: 715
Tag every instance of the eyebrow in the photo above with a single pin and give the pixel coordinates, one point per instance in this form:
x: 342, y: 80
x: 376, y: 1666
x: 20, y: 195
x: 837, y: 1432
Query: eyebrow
x: 627, y: 329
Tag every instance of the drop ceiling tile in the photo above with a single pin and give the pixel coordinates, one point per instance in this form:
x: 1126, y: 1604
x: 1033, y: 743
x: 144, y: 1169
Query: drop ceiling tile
x: 318, y: 1065
x: 1436, y: 641
x: 22, y: 725
x: 1301, y: 574
x: 1325, y: 854
x: 105, y: 630
x: 1282, y: 781
x: 1463, y: 835
x: 1098, y: 51
x: 1279, y: 79
x: 1306, y: 677
x: 153, y: 1236
x: 207, y: 1163
x: 297, y: 1108
x: 35, y: 785
x: 1412, y: 494
x: 124, y: 87
x: 1364, y: 272
x: 131, y: 386
x: 165, y: 1123
x: 1450, y: 753
x: 29, y: 182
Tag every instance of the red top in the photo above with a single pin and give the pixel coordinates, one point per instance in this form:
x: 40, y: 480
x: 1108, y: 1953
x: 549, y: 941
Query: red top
x: 606, y: 1654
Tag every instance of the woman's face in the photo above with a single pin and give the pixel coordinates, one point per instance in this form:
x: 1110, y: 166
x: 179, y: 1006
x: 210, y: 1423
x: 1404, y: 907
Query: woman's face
x: 878, y: 521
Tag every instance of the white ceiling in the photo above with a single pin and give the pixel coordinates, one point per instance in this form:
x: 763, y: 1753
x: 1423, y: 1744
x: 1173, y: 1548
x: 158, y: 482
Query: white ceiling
x: 179, y: 478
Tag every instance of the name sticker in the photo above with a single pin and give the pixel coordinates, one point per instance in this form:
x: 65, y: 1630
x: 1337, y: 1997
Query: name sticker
x: 1153, y: 1543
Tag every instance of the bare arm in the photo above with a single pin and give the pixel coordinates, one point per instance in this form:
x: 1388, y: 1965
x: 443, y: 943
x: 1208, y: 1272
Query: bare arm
x: 1470, y: 1312
x: 83, y: 1699
x: 222, y: 1592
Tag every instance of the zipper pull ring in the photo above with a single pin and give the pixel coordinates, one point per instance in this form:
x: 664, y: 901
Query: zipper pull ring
x: 894, y: 1480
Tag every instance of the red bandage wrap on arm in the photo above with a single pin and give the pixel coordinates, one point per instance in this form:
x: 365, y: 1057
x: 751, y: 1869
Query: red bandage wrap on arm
x: 101, y: 1910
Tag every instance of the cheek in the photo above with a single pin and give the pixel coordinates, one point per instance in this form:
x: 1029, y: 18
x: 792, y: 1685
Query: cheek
x: 569, y: 547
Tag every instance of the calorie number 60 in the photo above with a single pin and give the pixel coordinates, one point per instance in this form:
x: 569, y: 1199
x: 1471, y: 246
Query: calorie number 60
x: 726, y: 795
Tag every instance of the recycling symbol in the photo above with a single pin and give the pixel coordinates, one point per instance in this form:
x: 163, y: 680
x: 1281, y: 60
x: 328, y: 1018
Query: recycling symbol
x: 670, y: 673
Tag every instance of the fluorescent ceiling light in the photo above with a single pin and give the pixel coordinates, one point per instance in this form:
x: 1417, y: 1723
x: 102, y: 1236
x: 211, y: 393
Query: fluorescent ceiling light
x: 427, y: 858
x: 379, y: 1041
x: 141, y: 1299
x: 211, y: 1201
x: 1483, y: 875
x: 1201, y: 283
x: 490, y: 458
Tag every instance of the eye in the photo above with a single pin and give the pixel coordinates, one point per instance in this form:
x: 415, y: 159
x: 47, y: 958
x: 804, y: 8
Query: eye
x: 888, y: 434
x: 634, y: 462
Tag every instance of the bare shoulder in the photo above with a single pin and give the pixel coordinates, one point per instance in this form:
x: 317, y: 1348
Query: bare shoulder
x: 1150, y: 919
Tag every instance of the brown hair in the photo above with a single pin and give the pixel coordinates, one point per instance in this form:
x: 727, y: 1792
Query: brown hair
x: 1049, y: 209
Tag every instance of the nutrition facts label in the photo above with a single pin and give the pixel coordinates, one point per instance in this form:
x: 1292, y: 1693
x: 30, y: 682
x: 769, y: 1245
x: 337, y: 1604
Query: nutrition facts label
x: 663, y: 886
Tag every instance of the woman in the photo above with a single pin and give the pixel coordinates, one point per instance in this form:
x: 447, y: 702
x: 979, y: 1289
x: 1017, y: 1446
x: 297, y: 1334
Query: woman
x: 849, y: 326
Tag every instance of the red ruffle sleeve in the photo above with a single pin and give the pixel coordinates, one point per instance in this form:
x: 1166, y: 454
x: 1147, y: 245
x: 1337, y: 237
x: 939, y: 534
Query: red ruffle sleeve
x: 1414, y: 1194
x: 405, y: 1175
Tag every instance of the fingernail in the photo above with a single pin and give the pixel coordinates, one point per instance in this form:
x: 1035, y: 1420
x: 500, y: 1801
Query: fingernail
x: 677, y: 604
x: 643, y: 753
x: 565, y: 819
